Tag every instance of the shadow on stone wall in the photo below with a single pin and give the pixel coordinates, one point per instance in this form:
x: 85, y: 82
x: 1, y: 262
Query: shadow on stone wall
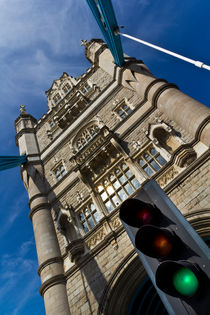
x: 93, y: 280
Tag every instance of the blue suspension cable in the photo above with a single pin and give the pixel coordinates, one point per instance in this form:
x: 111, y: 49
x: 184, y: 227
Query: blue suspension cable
x: 105, y: 17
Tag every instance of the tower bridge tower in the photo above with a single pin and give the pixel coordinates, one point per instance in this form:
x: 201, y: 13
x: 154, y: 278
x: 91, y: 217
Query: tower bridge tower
x: 105, y: 134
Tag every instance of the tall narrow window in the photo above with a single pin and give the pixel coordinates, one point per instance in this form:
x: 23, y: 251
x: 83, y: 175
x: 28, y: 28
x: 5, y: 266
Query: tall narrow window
x: 117, y: 186
x: 89, y: 217
x: 60, y: 172
x: 151, y: 161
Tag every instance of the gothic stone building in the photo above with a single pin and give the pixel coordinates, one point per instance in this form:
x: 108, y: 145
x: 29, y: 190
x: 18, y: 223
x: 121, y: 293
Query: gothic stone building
x: 104, y: 136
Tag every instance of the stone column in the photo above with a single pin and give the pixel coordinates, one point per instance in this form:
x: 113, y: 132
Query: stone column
x: 53, y: 288
x: 188, y: 113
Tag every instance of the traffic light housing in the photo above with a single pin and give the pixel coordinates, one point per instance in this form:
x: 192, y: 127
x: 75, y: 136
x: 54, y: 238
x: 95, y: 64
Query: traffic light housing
x: 175, y: 257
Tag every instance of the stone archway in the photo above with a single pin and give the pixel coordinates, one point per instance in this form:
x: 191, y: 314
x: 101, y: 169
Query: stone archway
x: 127, y: 288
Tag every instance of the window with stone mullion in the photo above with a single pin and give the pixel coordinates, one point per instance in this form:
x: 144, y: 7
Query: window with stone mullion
x: 86, y: 88
x: 151, y: 161
x: 57, y: 98
x: 89, y: 217
x: 117, y: 186
x: 123, y: 111
x: 66, y: 88
x: 60, y: 172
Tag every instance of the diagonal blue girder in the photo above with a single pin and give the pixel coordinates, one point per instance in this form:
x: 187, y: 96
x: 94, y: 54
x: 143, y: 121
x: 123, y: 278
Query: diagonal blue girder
x: 11, y: 161
x: 105, y: 17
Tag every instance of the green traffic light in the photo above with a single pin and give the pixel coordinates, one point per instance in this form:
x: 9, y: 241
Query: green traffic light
x: 185, y: 281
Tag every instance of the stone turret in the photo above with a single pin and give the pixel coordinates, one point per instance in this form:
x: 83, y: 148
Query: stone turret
x: 50, y: 263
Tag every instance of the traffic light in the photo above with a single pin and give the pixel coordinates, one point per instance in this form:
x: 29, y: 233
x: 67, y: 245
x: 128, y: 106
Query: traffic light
x: 174, y: 256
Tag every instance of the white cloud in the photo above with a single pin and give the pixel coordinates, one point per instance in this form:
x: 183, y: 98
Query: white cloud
x: 56, y: 23
x: 25, y: 247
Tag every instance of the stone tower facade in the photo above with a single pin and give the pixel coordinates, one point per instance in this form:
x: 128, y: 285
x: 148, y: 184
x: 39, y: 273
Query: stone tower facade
x: 104, y: 136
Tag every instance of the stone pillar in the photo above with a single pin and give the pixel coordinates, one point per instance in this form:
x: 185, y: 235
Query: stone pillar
x: 53, y: 288
x: 189, y: 114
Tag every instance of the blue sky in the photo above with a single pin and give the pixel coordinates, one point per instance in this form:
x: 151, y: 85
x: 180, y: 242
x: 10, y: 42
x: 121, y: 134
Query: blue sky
x: 39, y: 40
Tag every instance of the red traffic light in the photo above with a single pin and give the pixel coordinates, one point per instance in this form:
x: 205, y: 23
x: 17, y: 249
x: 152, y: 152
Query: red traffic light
x: 138, y: 213
x: 156, y: 242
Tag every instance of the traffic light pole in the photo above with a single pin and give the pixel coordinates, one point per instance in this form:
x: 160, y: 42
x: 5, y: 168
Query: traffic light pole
x: 195, y: 253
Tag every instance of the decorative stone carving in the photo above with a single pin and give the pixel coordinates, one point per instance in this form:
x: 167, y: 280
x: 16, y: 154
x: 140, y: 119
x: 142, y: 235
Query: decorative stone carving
x: 96, y: 238
x: 49, y: 134
x: 164, y: 179
x: 100, y: 121
x: 86, y: 136
x: 59, y: 90
x: 115, y: 223
x: 75, y: 249
x: 84, y: 42
x: 164, y: 137
x: 185, y: 157
x: 136, y: 144
x: 90, y: 149
x: 66, y: 222
x: 22, y: 109
x: 80, y: 197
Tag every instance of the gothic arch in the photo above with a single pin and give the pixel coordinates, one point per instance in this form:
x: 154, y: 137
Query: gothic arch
x: 85, y: 135
x: 122, y: 286
x: 129, y: 285
x: 164, y: 137
x: 200, y: 221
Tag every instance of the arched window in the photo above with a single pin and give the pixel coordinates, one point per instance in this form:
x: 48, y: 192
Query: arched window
x: 89, y: 133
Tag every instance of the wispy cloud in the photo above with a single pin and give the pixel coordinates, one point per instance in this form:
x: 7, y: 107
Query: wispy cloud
x: 38, y: 41
x: 29, y: 293
x: 13, y: 269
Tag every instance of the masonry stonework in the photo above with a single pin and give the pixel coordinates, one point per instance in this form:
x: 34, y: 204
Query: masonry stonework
x: 104, y: 136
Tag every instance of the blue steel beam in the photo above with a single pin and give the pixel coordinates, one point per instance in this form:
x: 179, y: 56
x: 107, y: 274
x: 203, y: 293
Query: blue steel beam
x: 11, y: 161
x: 105, y: 17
